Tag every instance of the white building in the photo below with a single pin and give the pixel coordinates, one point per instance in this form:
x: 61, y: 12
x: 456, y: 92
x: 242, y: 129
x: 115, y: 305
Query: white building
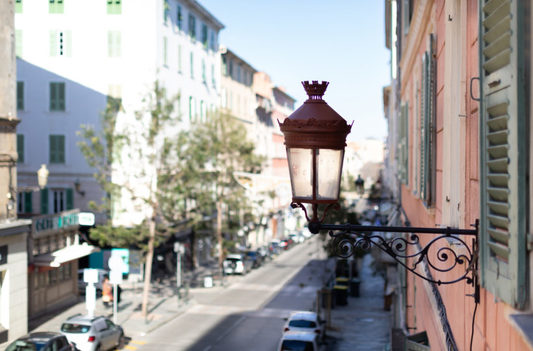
x: 72, y: 55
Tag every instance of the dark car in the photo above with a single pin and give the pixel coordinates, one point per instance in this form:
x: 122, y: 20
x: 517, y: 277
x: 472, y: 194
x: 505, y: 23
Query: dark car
x: 255, y: 258
x: 41, y: 341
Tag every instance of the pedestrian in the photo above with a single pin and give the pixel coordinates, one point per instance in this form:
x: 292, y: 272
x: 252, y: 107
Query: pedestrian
x: 107, y: 292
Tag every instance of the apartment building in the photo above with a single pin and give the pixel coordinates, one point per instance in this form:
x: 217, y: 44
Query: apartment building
x: 459, y: 104
x: 72, y: 57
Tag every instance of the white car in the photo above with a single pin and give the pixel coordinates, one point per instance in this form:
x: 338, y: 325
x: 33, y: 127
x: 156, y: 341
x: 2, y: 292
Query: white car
x: 235, y: 264
x: 92, y: 333
x: 297, y: 340
x: 305, y: 321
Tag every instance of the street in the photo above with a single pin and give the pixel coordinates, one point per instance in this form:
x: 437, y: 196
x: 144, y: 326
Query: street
x: 248, y: 313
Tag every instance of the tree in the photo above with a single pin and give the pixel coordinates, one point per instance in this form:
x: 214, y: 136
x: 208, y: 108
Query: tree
x: 212, y: 151
x: 131, y: 156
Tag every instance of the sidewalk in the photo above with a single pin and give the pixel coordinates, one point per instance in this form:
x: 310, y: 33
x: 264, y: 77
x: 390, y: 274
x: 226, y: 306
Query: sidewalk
x: 164, y: 305
x: 363, y: 324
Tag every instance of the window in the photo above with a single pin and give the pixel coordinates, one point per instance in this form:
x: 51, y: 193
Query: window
x: 18, y: 42
x: 427, y: 126
x: 192, y: 65
x: 403, y: 144
x: 25, y: 202
x: 60, y: 43
x: 114, y: 43
x: 180, y: 65
x: 204, y: 35
x: 192, y: 26
x: 165, y: 52
x: 179, y: 18
x: 212, y: 40
x: 61, y: 200
x: 239, y: 73
x: 213, y: 79
x: 192, y: 111
x: 503, y: 153
x: 114, y: 7
x: 57, y: 96
x: 20, y: 148
x: 230, y: 68
x: 166, y: 11
x: 57, y: 148
x: 56, y: 6
x: 204, y: 76
x: 44, y: 201
x: 18, y: 6
x: 20, y: 95
x: 224, y: 66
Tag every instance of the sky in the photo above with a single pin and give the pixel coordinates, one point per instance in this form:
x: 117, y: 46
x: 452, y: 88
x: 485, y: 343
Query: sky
x: 340, y: 41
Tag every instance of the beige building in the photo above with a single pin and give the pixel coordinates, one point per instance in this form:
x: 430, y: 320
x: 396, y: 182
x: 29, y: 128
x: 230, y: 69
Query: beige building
x: 13, y: 232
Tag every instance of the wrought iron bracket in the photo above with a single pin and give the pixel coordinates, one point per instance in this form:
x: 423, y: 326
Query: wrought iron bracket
x: 450, y: 254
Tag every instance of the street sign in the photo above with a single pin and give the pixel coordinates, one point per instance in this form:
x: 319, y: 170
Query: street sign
x: 115, y: 277
x: 90, y: 275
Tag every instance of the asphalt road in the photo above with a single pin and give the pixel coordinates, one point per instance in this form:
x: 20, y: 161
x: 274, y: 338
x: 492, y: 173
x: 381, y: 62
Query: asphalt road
x: 248, y: 313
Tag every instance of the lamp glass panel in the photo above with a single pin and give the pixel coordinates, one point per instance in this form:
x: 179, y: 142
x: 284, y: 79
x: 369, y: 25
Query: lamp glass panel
x: 329, y: 169
x: 301, y: 172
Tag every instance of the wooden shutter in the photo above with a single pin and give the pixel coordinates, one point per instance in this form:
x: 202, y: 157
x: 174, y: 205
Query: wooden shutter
x: 60, y: 88
x: 53, y: 42
x: 70, y: 199
x: 20, y: 95
x: 28, y: 206
x: 20, y: 148
x: 503, y: 152
x: 60, y: 148
x: 52, y: 149
x: 44, y: 201
x: 53, y: 96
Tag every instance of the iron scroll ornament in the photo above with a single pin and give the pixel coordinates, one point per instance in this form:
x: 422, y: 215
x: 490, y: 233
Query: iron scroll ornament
x: 456, y: 253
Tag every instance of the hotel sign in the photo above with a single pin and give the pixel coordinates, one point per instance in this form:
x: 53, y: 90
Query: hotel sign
x: 55, y: 222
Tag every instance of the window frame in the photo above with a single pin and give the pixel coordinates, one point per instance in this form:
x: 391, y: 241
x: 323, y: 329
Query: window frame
x: 57, y: 149
x: 57, y: 104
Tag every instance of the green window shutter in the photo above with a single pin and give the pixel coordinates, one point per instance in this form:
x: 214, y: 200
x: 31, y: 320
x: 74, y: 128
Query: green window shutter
x: 53, y: 97
x: 67, y: 43
x: 503, y: 151
x: 52, y: 149
x: 18, y: 6
x: 192, y: 65
x: 56, y: 6
x: 28, y: 205
x: 114, y: 7
x: 204, y: 35
x: 403, y: 145
x: 18, y: 42
x: 53, y: 42
x: 190, y: 108
x: 166, y: 10
x: 20, y: 96
x: 44, y: 201
x: 165, y: 51
x: 20, y: 147
x: 57, y: 148
x: 70, y: 199
x: 204, y: 76
x: 60, y: 89
x: 179, y: 18
x: 192, y: 27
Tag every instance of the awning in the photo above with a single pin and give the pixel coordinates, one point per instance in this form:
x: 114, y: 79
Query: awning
x: 66, y: 254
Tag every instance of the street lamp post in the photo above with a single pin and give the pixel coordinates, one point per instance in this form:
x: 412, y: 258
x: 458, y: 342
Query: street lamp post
x: 315, y: 138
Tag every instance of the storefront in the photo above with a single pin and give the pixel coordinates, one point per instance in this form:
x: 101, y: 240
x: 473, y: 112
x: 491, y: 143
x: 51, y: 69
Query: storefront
x: 54, y: 249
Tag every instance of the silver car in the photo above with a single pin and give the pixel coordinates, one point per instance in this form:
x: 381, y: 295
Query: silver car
x: 92, y: 333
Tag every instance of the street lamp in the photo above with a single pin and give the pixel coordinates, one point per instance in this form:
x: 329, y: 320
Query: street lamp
x: 42, y: 176
x: 315, y: 138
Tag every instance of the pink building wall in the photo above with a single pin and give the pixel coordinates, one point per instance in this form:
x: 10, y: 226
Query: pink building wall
x: 493, y: 330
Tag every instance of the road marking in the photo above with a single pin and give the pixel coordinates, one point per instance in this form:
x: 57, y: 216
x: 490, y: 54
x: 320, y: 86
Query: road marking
x: 138, y: 342
x: 129, y: 347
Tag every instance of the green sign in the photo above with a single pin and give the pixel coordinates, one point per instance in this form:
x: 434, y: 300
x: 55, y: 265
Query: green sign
x: 55, y: 222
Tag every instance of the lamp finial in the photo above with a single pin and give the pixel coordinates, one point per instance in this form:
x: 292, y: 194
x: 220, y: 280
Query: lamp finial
x: 315, y: 90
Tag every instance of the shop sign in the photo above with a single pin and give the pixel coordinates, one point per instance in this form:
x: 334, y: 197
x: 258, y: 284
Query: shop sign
x: 55, y: 222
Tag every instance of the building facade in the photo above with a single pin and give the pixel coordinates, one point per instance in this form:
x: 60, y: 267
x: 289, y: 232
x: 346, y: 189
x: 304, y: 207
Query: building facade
x: 13, y: 232
x: 459, y: 107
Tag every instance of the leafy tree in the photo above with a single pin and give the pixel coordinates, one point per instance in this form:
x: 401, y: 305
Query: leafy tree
x: 131, y: 156
x: 212, y: 151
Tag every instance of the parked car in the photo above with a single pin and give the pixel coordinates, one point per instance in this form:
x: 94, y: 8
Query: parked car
x: 82, y: 285
x: 236, y: 264
x: 92, y: 333
x: 255, y: 258
x: 305, y: 321
x: 295, y: 340
x: 285, y: 244
x: 274, y: 247
x: 265, y: 253
x: 41, y: 341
